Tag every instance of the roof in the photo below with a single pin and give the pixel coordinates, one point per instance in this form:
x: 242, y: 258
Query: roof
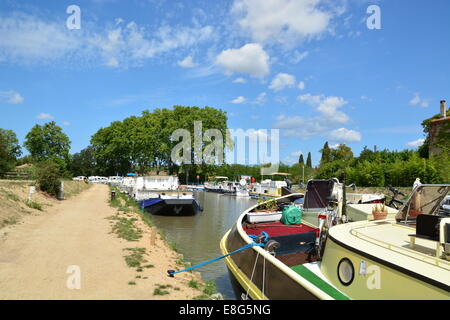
x: 440, y: 119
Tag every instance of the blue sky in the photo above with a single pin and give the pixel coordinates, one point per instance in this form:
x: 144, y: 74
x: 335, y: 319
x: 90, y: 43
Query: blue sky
x: 311, y: 68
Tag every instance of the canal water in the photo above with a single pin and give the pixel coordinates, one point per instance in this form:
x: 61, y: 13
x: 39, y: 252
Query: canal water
x: 198, y: 237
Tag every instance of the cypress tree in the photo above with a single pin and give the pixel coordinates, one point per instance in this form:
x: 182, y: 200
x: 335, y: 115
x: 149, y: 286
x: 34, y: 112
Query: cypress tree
x: 301, y: 160
x: 326, y: 154
x: 308, y: 160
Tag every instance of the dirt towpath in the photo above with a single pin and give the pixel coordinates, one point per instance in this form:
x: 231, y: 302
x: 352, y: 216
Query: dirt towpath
x: 37, y: 255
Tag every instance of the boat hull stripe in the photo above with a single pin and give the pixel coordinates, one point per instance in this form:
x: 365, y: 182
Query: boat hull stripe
x: 319, y: 283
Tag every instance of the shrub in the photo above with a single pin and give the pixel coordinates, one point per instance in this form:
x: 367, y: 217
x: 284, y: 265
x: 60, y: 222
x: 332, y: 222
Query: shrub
x: 48, y: 177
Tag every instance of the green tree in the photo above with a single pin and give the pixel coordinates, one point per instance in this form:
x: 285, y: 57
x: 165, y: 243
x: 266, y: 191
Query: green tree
x: 367, y: 154
x: 342, y: 152
x: 326, y: 154
x: 83, y: 163
x: 9, y: 150
x: 47, y: 142
x: 145, y: 143
x: 301, y: 161
x: 308, y: 160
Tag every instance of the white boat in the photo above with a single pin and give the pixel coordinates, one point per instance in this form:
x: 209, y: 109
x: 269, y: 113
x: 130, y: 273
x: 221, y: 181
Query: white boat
x: 407, y: 257
x: 267, y: 189
x: 163, y: 195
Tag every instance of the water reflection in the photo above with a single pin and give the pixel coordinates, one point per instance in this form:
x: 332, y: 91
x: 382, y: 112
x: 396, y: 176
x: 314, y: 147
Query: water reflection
x: 198, y: 237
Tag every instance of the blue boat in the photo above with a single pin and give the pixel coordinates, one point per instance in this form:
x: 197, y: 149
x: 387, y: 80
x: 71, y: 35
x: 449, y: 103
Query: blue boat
x: 171, y: 206
x: 162, y: 195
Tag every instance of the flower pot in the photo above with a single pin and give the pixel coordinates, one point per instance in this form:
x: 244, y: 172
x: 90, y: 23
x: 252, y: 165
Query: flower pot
x: 379, y: 215
x: 414, y: 213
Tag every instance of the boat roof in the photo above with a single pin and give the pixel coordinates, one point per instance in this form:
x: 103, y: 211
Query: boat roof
x: 388, y: 242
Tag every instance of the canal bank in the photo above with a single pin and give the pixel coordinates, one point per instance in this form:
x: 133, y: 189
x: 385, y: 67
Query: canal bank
x: 71, y: 251
x: 198, y: 237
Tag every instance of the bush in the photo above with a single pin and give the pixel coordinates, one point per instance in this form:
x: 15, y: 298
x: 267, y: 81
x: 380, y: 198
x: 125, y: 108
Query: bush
x: 48, y: 177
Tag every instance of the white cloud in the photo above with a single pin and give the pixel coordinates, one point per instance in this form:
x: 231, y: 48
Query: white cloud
x: 239, y: 100
x: 44, y: 116
x: 301, y: 85
x: 416, y: 143
x: 285, y: 21
x: 281, y: 81
x: 66, y: 123
x: 343, y: 135
x: 132, y: 44
x: 261, y: 135
x: 187, y: 62
x: 29, y: 39
x: 261, y: 98
x: 327, y: 106
x: 328, y: 118
x: 239, y: 80
x: 11, y: 97
x: 250, y: 59
x: 299, y: 56
x: 417, y: 100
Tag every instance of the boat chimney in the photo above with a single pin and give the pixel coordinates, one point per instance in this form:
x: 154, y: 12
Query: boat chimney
x: 443, y: 108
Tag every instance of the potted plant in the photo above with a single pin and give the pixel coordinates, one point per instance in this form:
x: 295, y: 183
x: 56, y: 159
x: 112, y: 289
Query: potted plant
x: 266, y: 211
x: 267, y: 206
x: 379, y: 212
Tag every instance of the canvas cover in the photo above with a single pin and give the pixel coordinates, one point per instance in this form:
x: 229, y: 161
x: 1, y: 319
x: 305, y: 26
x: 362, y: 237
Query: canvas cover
x: 291, y: 215
x: 317, y: 192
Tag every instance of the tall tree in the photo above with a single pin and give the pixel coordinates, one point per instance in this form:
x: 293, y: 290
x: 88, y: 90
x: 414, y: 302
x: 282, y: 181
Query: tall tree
x: 9, y: 150
x: 342, y: 152
x: 308, y: 160
x: 47, y: 142
x: 301, y: 160
x: 145, y: 142
x: 326, y: 154
x: 83, y: 163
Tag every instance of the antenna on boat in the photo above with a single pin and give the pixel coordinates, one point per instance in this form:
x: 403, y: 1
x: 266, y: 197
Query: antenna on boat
x: 344, y: 198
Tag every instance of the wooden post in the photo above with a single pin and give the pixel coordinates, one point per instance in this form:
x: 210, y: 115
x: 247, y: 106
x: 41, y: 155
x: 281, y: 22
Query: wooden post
x: 30, y: 193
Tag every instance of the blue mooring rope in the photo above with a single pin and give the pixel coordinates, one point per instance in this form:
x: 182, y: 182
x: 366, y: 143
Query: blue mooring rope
x: 252, y: 244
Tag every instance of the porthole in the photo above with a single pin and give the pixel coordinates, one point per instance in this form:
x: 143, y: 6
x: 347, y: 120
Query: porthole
x: 346, y: 271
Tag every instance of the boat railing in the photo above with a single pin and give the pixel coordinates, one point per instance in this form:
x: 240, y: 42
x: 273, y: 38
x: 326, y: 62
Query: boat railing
x: 401, y: 250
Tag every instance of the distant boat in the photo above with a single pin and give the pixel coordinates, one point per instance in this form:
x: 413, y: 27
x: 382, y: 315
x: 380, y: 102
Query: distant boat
x: 161, y: 195
x: 269, y: 188
x: 218, y: 185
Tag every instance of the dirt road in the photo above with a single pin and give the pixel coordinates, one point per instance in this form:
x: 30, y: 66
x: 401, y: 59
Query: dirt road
x: 37, y: 255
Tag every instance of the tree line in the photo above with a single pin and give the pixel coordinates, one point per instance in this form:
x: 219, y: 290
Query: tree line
x: 144, y: 143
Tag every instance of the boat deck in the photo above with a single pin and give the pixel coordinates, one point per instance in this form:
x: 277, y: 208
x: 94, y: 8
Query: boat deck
x: 276, y: 228
x: 390, y: 241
